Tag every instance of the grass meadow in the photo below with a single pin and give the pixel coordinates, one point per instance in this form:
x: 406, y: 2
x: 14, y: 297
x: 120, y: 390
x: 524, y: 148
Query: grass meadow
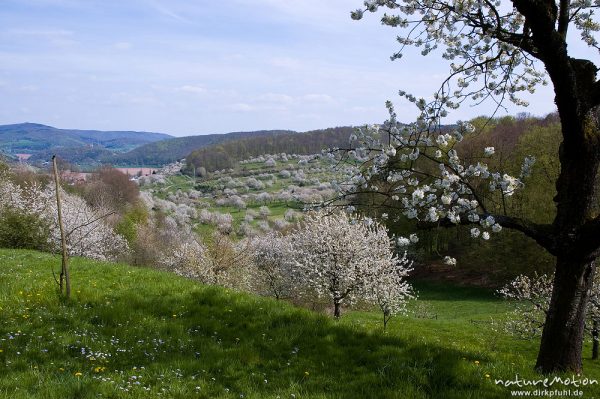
x: 140, y: 333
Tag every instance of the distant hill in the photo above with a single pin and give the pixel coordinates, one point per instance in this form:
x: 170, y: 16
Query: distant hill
x: 227, y: 154
x: 90, y: 148
x: 175, y: 149
x: 40, y: 140
x: 85, y: 156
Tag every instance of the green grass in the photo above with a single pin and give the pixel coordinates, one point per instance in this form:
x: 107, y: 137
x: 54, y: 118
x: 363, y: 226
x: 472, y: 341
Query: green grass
x: 158, y: 335
x: 178, y: 182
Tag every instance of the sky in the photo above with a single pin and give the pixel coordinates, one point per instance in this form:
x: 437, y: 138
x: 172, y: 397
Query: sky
x: 187, y: 67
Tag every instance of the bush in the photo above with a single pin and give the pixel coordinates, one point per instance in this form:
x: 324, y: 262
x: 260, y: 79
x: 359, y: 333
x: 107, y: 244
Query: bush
x: 128, y: 225
x: 22, y: 230
x: 110, y: 188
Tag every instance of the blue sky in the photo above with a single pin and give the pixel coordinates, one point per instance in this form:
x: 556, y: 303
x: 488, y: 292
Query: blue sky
x: 197, y: 67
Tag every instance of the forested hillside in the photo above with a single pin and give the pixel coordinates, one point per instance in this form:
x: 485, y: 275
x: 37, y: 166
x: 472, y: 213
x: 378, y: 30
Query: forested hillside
x: 34, y: 137
x: 227, y: 154
x: 91, y: 148
x: 175, y: 149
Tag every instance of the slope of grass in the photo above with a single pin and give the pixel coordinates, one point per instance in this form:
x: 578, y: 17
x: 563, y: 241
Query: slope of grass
x: 140, y: 333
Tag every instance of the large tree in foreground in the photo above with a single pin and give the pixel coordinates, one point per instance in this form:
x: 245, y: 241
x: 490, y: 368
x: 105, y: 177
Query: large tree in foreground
x: 498, y: 49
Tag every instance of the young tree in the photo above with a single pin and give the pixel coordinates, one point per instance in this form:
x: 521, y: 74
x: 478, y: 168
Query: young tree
x: 389, y: 288
x: 272, y: 255
x: 533, y: 295
x: 496, y: 49
x: 341, y: 257
x: 186, y: 259
x: 264, y: 212
x: 65, y: 279
x: 217, y: 261
x: 86, y: 231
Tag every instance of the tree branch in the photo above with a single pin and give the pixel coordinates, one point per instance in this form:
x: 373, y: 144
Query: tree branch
x: 543, y: 234
x: 94, y: 220
x: 563, y: 18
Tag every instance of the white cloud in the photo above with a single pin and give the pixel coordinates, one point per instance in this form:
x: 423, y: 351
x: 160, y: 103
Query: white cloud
x: 242, y: 107
x: 163, y: 10
x: 54, y: 37
x: 285, y: 62
x: 192, y: 89
x: 318, y: 98
x: 29, y: 88
x: 53, y: 3
x: 258, y: 108
x: 39, y: 32
x: 276, y: 98
x: 122, y: 45
x: 325, y: 15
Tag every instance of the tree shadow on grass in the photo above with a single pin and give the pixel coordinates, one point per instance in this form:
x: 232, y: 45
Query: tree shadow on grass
x: 247, y: 340
x: 230, y: 343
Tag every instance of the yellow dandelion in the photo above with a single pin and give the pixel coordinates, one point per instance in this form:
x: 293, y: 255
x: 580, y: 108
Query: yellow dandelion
x: 78, y: 374
x: 61, y: 369
x: 487, y: 376
x: 476, y: 361
x: 306, y: 373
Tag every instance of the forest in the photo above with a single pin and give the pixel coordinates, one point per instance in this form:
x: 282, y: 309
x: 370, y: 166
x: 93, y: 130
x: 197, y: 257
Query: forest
x: 227, y: 154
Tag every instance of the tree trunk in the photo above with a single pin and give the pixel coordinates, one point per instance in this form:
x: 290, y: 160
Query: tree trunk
x: 574, y: 247
x: 386, y: 318
x: 337, y: 308
x: 562, y: 338
x: 595, y: 328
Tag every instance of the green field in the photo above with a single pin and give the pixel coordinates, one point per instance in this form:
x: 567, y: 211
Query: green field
x: 139, y: 333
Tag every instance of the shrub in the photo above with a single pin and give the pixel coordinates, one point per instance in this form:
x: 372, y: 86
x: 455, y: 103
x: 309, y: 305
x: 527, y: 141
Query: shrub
x: 19, y: 229
x: 128, y: 225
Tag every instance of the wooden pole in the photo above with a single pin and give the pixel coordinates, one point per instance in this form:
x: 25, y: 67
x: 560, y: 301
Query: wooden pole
x: 64, y: 272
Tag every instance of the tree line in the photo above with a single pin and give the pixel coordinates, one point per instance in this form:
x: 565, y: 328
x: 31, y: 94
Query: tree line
x: 227, y: 154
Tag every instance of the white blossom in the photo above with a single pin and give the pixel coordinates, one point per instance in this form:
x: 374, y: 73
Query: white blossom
x: 343, y: 260
x: 488, y: 151
x: 449, y: 261
x: 403, y: 241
